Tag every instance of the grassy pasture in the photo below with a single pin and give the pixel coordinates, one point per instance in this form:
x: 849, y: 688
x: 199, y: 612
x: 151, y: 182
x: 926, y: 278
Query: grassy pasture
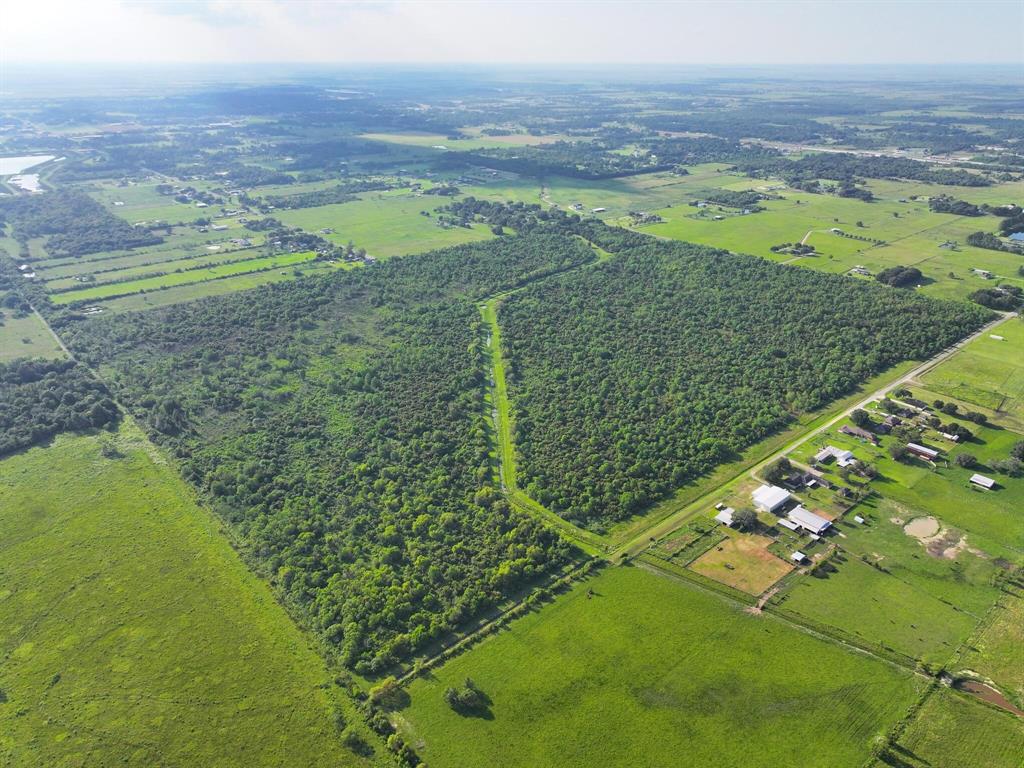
x: 953, y: 731
x: 26, y: 337
x: 918, y: 604
x: 479, y: 141
x: 648, y: 670
x: 987, y: 373
x: 193, y: 291
x: 144, y: 270
x: 384, y: 225
x: 143, y: 203
x: 995, y: 652
x: 130, y: 632
x: 282, y: 261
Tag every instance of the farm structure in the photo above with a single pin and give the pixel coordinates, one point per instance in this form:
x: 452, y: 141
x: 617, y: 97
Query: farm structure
x: 984, y: 482
x: 842, y: 457
x: 769, y: 498
x: 924, y: 452
x: 810, y: 522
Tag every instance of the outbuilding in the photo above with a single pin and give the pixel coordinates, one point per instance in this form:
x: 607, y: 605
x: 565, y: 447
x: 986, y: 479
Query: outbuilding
x: 725, y: 516
x: 769, y: 498
x: 922, y: 451
x: 809, y: 521
x: 798, y: 557
x: 984, y: 482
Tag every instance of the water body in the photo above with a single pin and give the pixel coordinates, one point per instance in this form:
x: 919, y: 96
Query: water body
x: 29, y: 182
x: 20, y: 164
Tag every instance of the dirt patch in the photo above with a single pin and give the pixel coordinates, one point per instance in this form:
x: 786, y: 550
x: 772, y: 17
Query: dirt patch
x: 922, y: 528
x: 937, y: 541
x: 988, y: 693
x: 742, y: 562
x: 896, y: 520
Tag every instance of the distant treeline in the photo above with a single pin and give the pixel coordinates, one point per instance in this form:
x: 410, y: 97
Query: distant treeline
x: 846, y: 167
x: 73, y: 224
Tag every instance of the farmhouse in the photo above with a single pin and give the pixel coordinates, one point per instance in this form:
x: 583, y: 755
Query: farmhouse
x: 769, y: 498
x: 809, y: 521
x: 984, y: 482
x: 923, y: 452
x: 842, y: 457
x: 725, y: 516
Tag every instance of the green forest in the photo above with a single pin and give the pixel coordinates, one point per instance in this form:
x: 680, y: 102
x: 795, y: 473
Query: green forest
x: 640, y: 374
x: 338, y: 426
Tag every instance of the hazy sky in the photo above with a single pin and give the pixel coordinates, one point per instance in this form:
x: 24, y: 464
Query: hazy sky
x: 519, y: 31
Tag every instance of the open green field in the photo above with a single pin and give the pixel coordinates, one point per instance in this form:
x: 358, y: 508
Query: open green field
x: 987, y: 372
x: 26, y: 337
x: 887, y: 589
x: 192, y: 291
x: 131, y: 633
x: 996, y: 651
x: 141, y: 202
x: 385, y: 225
x: 284, y: 260
x: 120, y: 275
x: 648, y: 670
x: 436, y: 140
x: 953, y: 731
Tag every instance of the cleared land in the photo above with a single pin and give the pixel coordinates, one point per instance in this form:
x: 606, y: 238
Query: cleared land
x: 26, y: 337
x: 648, y: 670
x: 952, y: 731
x: 130, y: 631
x: 742, y: 562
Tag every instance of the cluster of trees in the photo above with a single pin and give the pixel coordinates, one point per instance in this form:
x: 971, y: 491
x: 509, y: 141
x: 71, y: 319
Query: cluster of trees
x: 42, y: 398
x: 987, y: 240
x: 844, y: 167
x: 339, y: 193
x: 634, y: 377
x: 1005, y: 298
x: 734, y: 199
x: 467, y: 698
x: 582, y: 160
x: 73, y: 223
x: 899, y: 276
x: 338, y: 425
x: 947, y: 204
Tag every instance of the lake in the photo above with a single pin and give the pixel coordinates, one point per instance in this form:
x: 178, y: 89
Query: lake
x: 12, y: 165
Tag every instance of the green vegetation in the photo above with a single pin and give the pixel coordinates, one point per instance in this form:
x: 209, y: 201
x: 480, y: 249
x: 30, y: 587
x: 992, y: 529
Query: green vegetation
x: 951, y: 731
x: 338, y: 425
x: 994, y: 653
x: 132, y: 634
x: 41, y: 398
x: 631, y: 378
x: 25, y: 335
x: 631, y: 666
x: 115, y: 289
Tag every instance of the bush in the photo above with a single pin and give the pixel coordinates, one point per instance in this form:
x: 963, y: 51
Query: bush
x: 966, y: 460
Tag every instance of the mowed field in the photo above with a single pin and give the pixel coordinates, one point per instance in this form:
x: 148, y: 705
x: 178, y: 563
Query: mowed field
x: 988, y: 373
x: 26, y: 337
x: 651, y: 672
x: 130, y: 632
x: 954, y: 731
x: 996, y: 653
x: 384, y: 224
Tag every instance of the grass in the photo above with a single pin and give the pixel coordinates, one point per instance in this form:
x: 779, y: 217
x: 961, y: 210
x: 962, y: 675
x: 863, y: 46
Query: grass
x: 987, y: 372
x: 26, y: 337
x: 995, y: 653
x: 953, y: 731
x: 743, y: 563
x: 648, y: 670
x: 132, y: 634
x: 920, y: 606
x: 171, y: 279
x: 193, y: 291
x: 385, y: 225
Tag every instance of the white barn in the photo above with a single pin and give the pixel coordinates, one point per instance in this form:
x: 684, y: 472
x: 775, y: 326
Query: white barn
x: 769, y: 498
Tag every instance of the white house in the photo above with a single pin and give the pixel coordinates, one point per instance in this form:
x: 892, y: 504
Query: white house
x: 809, y: 521
x: 798, y: 557
x: 984, y: 482
x: 843, y: 457
x: 769, y: 498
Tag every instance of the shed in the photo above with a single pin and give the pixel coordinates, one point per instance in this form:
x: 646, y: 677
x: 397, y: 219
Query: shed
x: 809, y: 521
x: 725, y: 516
x: 788, y: 524
x: 798, y: 557
x: 858, y: 519
x: 924, y: 452
x: 769, y: 498
x: 1017, y: 237
x: 984, y: 482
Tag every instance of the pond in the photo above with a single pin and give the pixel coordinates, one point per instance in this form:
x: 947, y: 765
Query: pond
x: 21, y: 163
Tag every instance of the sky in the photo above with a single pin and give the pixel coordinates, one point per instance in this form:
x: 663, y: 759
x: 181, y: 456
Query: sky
x: 513, y: 32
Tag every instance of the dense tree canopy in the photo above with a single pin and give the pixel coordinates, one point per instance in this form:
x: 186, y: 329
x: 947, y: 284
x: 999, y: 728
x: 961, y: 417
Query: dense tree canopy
x: 634, y: 377
x: 338, y: 424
